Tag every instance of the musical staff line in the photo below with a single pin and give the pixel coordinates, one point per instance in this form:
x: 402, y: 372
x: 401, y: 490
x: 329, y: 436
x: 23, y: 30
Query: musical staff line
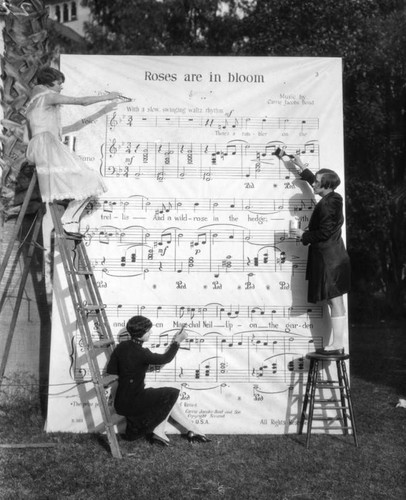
x: 192, y: 238
x: 139, y: 265
x: 265, y: 358
x: 214, y: 311
x: 128, y: 120
x: 235, y: 159
x: 140, y: 203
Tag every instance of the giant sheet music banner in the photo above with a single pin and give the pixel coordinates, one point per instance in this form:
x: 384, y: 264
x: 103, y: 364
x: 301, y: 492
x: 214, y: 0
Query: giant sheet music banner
x: 195, y: 229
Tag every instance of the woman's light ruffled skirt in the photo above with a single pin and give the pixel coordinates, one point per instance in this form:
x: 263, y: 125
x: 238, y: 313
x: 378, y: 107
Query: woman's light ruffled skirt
x: 61, y: 174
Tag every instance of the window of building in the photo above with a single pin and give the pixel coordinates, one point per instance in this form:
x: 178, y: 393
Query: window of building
x: 65, y: 12
x: 73, y: 13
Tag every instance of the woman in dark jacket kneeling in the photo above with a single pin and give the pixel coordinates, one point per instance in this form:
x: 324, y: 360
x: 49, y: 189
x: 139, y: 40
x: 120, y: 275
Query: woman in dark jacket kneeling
x: 147, y: 409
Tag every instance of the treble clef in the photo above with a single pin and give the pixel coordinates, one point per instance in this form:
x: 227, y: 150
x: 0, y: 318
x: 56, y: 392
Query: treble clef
x: 113, y: 149
x: 113, y: 121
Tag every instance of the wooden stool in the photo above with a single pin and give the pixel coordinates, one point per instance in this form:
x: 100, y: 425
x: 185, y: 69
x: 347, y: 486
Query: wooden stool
x: 344, y: 403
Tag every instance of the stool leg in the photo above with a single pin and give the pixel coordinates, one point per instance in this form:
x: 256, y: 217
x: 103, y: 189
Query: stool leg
x: 342, y: 386
x: 313, y: 383
x: 350, y: 409
x: 306, y: 397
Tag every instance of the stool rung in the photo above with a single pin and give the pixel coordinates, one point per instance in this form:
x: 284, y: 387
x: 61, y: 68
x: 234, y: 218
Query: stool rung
x: 331, y: 407
x: 332, y: 428
x: 321, y: 418
x: 326, y: 419
x: 341, y: 428
x: 325, y: 386
x: 325, y: 401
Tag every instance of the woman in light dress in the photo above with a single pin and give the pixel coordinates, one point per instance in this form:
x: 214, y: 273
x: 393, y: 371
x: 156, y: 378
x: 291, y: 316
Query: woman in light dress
x: 61, y: 174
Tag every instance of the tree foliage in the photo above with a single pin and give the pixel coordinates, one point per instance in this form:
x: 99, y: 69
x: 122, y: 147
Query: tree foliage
x: 369, y: 36
x: 179, y: 27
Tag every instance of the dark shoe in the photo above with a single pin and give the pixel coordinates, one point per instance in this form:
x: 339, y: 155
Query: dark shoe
x: 154, y: 439
x: 331, y: 352
x: 74, y: 236
x: 197, y: 438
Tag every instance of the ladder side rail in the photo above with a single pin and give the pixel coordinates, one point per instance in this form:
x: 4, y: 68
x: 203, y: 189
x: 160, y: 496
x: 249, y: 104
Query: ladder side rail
x: 18, y: 224
x: 66, y: 260
x: 73, y: 282
x: 92, y: 358
x: 86, y: 334
x: 10, y: 276
x: 94, y: 295
x: 103, y: 322
x: 21, y: 288
x: 105, y: 333
x: 73, y: 285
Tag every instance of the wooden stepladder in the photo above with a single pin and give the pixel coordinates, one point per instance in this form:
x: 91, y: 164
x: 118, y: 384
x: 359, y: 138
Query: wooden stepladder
x: 91, y: 317
x: 92, y: 321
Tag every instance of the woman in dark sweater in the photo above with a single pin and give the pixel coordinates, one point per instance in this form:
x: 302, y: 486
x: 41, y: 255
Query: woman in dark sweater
x: 328, y: 264
x: 147, y: 409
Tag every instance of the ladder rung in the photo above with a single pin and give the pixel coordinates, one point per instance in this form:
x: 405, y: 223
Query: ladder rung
x: 103, y: 343
x: 37, y: 245
x: 69, y: 236
x: 84, y: 272
x: 109, y: 379
x: 94, y: 307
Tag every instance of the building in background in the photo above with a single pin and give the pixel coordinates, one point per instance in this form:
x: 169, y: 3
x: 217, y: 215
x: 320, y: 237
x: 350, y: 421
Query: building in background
x: 69, y: 13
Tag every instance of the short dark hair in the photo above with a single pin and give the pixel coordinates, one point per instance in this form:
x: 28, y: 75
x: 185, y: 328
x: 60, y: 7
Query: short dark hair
x: 137, y: 326
x: 47, y: 76
x: 329, y: 179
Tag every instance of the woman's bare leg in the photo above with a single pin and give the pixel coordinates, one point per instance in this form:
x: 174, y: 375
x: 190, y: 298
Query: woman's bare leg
x: 339, y: 324
x: 180, y: 418
x: 183, y: 421
x: 70, y: 218
x: 160, y: 429
x: 337, y: 306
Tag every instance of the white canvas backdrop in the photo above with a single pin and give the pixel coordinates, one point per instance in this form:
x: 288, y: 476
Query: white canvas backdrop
x: 194, y: 228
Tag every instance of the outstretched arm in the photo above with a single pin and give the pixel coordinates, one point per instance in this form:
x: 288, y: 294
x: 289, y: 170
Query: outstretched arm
x: 74, y: 127
x: 54, y: 99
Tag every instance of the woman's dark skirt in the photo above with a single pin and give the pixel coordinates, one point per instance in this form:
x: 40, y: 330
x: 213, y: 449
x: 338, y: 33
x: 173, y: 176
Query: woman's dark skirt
x: 153, y: 407
x: 328, y: 271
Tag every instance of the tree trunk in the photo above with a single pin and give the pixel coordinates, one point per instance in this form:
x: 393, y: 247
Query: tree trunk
x: 25, y: 50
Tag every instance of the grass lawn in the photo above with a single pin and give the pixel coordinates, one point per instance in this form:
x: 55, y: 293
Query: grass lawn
x: 230, y: 467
